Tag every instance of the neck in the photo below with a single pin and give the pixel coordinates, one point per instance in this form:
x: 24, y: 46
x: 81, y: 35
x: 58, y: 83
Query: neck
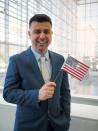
x: 39, y: 52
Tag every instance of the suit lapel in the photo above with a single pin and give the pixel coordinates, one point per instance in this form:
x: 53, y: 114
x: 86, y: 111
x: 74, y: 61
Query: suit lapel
x: 54, y: 64
x: 34, y: 66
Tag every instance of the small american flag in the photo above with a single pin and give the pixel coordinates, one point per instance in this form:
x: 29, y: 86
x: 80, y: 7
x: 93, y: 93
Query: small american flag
x: 75, y: 67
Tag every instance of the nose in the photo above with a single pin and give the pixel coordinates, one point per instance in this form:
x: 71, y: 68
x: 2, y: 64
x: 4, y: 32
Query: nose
x: 42, y: 35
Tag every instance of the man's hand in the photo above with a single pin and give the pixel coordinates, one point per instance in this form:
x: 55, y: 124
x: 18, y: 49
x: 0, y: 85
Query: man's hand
x: 46, y: 91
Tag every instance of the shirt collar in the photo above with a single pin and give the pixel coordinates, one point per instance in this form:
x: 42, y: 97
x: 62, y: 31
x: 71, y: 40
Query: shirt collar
x: 37, y: 55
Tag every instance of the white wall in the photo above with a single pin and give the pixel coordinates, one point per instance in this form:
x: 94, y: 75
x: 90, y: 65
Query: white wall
x: 78, y: 123
x: 83, y: 124
x: 7, y: 115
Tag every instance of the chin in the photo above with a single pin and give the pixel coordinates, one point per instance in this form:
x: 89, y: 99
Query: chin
x: 42, y: 51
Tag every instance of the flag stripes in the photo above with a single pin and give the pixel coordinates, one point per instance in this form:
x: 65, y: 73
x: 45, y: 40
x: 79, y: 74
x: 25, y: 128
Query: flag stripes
x: 75, y: 68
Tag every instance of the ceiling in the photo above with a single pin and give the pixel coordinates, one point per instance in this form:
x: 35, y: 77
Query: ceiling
x: 83, y: 2
x: 90, y: 10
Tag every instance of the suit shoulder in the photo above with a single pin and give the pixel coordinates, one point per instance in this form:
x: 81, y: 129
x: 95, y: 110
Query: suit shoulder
x: 18, y: 55
x: 57, y: 55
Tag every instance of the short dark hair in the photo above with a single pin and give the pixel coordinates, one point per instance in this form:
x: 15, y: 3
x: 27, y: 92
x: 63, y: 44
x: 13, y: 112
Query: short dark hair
x: 40, y: 18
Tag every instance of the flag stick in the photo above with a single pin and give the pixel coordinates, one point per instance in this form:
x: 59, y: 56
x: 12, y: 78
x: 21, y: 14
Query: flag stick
x: 57, y: 75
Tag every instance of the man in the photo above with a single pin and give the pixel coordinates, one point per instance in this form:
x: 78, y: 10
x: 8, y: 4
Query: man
x: 43, y: 99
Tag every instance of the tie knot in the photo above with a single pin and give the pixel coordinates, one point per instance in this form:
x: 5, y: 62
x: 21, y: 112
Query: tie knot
x: 43, y: 59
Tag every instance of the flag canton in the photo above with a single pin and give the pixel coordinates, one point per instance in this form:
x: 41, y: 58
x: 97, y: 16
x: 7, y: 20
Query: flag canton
x: 72, y: 62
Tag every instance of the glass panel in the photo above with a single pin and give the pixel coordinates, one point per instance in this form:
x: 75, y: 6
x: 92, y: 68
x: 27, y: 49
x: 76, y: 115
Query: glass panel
x: 87, y: 41
x: 75, y: 28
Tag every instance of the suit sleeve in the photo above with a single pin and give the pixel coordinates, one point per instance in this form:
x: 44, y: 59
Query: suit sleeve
x: 65, y: 95
x: 65, y: 98
x: 62, y: 122
x: 13, y: 92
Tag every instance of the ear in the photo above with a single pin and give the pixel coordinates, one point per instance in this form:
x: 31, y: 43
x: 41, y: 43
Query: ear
x: 29, y: 34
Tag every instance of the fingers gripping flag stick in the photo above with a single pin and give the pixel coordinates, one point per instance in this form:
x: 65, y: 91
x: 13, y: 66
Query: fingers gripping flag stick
x: 75, y: 68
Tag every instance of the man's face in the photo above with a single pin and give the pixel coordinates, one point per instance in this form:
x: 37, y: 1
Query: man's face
x: 41, y: 35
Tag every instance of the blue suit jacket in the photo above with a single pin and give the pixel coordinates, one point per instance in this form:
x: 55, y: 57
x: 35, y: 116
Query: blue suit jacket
x: 22, y: 83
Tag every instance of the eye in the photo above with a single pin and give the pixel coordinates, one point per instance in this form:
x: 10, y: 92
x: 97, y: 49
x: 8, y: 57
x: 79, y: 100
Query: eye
x: 46, y: 31
x: 37, y: 31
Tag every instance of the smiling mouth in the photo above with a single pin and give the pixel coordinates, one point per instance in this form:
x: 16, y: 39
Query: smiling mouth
x: 42, y: 44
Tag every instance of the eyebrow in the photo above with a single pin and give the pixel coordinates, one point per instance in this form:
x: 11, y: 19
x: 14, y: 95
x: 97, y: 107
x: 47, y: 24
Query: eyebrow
x: 39, y: 30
